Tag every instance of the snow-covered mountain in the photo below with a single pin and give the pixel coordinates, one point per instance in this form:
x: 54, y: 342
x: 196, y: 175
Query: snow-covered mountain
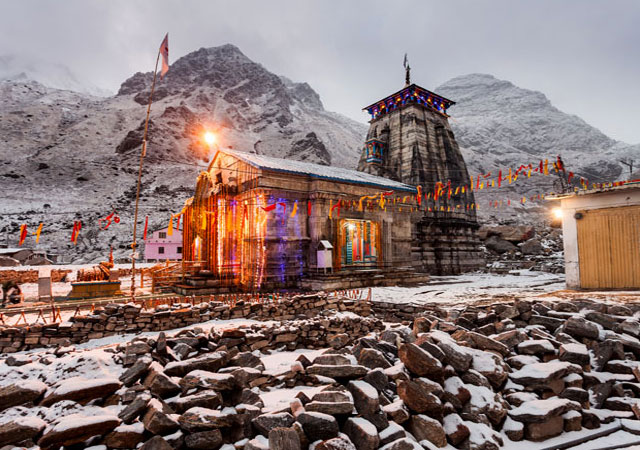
x: 68, y: 156
x: 54, y: 75
x: 499, y: 125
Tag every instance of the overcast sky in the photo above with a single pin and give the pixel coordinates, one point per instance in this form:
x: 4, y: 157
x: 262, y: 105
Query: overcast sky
x: 583, y: 54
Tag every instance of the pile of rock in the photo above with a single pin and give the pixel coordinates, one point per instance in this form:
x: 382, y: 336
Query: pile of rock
x: 523, y: 247
x: 476, y: 378
x: 119, y: 318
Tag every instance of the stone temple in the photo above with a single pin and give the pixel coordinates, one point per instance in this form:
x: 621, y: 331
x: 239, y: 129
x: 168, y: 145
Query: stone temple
x: 410, y: 141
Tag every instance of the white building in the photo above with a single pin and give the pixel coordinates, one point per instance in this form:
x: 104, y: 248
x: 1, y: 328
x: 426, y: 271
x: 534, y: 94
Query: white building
x: 601, y: 230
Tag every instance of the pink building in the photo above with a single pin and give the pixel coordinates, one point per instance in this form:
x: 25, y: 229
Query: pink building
x: 160, y: 246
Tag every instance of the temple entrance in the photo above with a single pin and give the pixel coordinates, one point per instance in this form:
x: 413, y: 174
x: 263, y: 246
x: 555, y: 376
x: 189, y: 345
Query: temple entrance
x: 359, y: 243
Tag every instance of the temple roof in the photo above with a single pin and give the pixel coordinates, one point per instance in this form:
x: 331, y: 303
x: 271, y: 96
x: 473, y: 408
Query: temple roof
x: 413, y: 94
x: 317, y: 171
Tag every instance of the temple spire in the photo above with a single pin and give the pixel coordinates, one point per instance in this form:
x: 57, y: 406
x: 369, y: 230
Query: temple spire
x: 407, y: 69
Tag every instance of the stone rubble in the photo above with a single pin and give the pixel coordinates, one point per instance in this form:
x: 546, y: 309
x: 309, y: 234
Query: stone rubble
x: 477, y: 377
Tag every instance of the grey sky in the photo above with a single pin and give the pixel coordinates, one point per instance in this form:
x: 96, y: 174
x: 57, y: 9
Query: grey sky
x: 583, y: 54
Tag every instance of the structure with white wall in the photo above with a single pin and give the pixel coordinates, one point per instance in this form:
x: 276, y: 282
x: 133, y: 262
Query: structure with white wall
x: 601, y: 230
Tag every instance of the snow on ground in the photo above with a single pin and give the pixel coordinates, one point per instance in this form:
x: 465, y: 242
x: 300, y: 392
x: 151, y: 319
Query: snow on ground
x: 477, y: 286
x: 279, y: 362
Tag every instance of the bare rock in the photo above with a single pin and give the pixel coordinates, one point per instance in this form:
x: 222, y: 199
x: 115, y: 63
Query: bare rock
x: 204, y: 440
x: 338, y: 372
x: 578, y: 327
x: 318, y: 426
x: 419, y: 399
x: 362, y: 433
x: 455, y: 429
x: 82, y: 390
x: 27, y: 392
x: 159, y: 382
x: 20, y: 429
x: 208, y: 380
x: 372, y: 358
x: 135, y: 372
x: 338, y: 443
x: 133, y: 410
x: 281, y: 438
x: 156, y: 443
x: 211, y: 362
x: 76, y: 428
x: 265, y: 422
x: 156, y: 421
x: 365, y: 397
x: 426, y: 428
x: 420, y: 362
x: 397, y: 412
x: 125, y: 436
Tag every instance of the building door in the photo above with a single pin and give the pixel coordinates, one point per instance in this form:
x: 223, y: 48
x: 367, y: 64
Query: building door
x: 609, y: 248
x: 359, y: 243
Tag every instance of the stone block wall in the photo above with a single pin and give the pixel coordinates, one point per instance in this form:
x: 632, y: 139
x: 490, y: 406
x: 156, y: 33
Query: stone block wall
x: 116, y: 318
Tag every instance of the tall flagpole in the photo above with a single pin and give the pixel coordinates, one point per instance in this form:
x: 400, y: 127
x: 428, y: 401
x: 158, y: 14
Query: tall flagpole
x: 142, y: 154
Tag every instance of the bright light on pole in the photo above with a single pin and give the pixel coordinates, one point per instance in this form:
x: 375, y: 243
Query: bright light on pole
x: 557, y: 213
x: 209, y: 138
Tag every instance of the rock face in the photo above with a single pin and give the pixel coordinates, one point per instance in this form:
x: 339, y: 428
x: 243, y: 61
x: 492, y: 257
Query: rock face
x: 250, y: 108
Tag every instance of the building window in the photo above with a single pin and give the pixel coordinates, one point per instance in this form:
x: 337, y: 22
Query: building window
x: 179, y: 250
x: 161, y: 250
x: 162, y: 235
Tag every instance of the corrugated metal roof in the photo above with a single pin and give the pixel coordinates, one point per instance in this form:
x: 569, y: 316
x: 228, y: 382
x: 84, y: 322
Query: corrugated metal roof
x: 317, y: 171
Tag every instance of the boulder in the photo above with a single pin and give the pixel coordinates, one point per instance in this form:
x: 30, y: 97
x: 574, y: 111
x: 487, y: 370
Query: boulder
x: 362, y: 433
x: 210, y: 362
x: 419, y: 399
x: 420, y: 362
x: 397, y: 412
x: 204, y: 440
x: 365, y: 397
x: 578, y: 327
x: 157, y: 421
x: 156, y: 443
x: 318, y: 426
x: 426, y: 428
x: 202, y: 419
x: 281, y: 438
x: 205, y: 399
x: 135, y: 372
x: 532, y: 247
x: 499, y: 245
x: 455, y: 429
x: 540, y: 411
x: 133, y: 410
x: 125, y: 436
x: 77, y: 428
x: 27, y: 392
x: 265, y: 422
x: 338, y: 372
x: 20, y: 429
x: 208, y: 380
x: 338, y: 443
x: 159, y: 382
x: 82, y: 390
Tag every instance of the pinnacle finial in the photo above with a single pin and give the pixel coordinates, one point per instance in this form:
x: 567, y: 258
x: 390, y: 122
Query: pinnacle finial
x: 407, y: 70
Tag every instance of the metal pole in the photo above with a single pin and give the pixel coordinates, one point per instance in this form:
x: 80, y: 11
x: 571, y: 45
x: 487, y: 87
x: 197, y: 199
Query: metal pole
x: 142, y: 154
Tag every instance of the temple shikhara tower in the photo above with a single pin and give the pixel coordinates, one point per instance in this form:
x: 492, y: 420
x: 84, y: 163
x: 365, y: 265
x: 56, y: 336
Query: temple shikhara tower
x: 410, y: 141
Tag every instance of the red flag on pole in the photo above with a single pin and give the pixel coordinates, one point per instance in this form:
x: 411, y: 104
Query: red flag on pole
x: 164, y: 51
x: 146, y: 225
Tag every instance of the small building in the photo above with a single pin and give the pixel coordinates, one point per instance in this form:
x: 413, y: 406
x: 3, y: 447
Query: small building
x: 159, y: 246
x: 601, y: 231
x: 256, y: 222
